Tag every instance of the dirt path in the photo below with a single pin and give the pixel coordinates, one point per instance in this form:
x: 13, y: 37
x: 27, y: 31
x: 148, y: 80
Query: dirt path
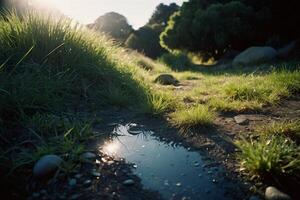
x: 214, y: 146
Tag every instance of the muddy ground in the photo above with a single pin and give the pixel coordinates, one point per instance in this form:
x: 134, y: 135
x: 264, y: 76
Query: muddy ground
x: 214, y: 144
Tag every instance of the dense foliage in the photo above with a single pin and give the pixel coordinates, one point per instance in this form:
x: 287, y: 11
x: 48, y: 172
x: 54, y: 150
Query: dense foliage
x: 146, y: 39
x: 216, y: 26
x: 113, y: 24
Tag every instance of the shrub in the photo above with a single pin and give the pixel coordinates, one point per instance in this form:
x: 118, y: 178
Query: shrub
x: 176, y: 60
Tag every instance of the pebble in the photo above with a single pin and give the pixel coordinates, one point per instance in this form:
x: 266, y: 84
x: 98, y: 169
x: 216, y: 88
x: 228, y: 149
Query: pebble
x: 46, y: 166
x: 78, y: 176
x: 241, y: 120
x: 35, y: 195
x: 273, y: 193
x: 254, y: 198
x: 74, y: 196
x: 96, y: 174
x: 178, y: 184
x: 128, y: 182
x: 72, y: 182
x: 87, y: 182
x: 88, y: 155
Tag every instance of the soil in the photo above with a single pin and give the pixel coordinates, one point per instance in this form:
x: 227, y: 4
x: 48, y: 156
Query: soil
x: 214, y: 144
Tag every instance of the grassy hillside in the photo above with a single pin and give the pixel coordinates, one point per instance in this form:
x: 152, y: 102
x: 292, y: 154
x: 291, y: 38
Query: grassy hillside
x: 55, y: 76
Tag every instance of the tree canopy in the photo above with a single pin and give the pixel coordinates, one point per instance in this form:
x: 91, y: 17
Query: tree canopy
x: 212, y: 27
x: 146, y: 39
x: 113, y: 24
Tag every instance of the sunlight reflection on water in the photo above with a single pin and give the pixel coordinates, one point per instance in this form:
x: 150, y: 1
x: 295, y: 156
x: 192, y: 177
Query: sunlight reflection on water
x: 170, y: 169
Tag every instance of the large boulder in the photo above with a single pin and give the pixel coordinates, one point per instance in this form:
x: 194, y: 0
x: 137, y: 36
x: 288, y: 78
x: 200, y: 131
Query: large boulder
x: 255, y: 55
x: 166, y: 79
x: 47, y: 166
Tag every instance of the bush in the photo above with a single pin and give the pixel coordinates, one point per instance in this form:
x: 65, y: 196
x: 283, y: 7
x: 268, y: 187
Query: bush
x: 176, y: 60
x: 146, y: 40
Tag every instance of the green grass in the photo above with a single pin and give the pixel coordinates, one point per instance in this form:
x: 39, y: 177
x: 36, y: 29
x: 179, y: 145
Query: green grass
x: 273, y: 155
x: 196, y: 116
x: 247, y: 92
x: 50, y: 70
x: 288, y: 128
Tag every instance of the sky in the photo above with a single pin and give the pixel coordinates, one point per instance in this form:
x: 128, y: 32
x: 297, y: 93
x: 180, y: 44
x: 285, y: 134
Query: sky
x: 137, y: 12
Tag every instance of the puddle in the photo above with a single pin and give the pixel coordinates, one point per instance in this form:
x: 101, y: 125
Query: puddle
x: 172, y: 170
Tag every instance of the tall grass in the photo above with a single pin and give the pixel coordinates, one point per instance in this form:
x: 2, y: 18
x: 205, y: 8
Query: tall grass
x: 51, y: 69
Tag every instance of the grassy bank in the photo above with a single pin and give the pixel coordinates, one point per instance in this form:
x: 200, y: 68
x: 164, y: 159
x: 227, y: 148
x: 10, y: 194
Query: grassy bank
x: 54, y: 76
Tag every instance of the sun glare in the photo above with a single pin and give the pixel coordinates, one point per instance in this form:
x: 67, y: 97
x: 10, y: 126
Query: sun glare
x: 111, y: 148
x: 87, y: 11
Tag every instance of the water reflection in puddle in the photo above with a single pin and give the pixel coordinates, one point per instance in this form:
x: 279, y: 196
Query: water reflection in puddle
x: 172, y: 170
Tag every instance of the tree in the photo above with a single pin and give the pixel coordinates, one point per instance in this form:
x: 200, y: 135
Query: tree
x: 146, y: 39
x: 162, y: 14
x: 113, y: 24
x: 212, y: 27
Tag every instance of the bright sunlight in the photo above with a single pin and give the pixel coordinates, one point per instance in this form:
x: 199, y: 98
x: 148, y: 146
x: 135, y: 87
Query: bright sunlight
x: 86, y: 11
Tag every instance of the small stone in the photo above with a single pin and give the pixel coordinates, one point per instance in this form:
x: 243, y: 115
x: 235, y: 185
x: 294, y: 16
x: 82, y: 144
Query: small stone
x: 196, y: 164
x: 74, y: 196
x: 35, y: 195
x: 214, y: 181
x: 178, y: 184
x: 241, y: 120
x: 43, y: 192
x: 78, y: 176
x: 87, y: 182
x: 166, y: 79
x: 128, y: 182
x: 96, y: 174
x: 254, y: 198
x: 46, y: 166
x: 88, y: 155
x: 62, y: 196
x: 273, y: 193
x: 72, y: 182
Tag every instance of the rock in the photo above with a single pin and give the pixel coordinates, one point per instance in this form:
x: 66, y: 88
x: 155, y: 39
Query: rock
x: 78, y: 176
x: 96, y: 174
x: 166, y: 79
x: 128, y: 182
x: 46, y: 166
x: 254, y: 198
x: 72, y: 182
x: 255, y: 55
x: 178, y: 184
x: 75, y: 196
x: 241, y: 119
x: 88, y: 156
x: 87, y: 182
x: 273, y: 193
